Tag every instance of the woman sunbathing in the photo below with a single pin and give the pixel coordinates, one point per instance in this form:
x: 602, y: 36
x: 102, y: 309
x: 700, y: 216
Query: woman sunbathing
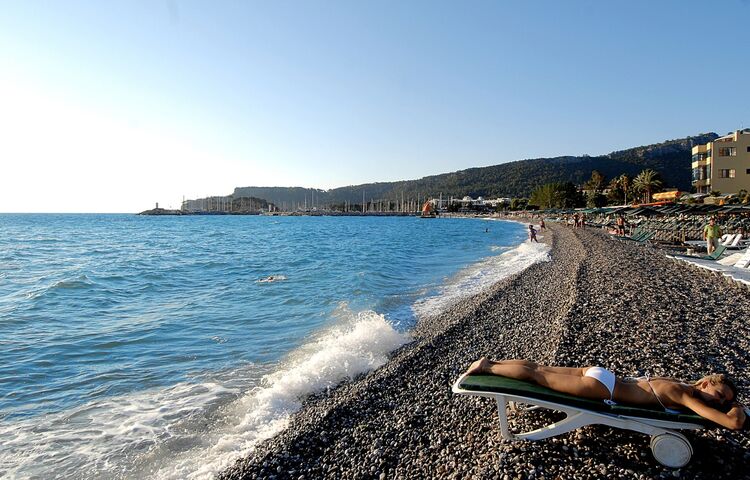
x: 712, y: 397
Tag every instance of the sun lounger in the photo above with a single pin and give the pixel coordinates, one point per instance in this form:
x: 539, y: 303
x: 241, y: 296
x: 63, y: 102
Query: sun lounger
x: 735, y: 243
x: 731, y: 258
x: 732, y: 241
x: 744, y: 261
x: 669, y: 447
x: 646, y: 236
x: 639, y: 236
x: 637, y: 233
x: 706, y: 264
x: 713, y: 256
x: 739, y: 271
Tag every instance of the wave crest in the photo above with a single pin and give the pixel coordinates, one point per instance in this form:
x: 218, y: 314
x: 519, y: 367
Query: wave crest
x: 195, y: 430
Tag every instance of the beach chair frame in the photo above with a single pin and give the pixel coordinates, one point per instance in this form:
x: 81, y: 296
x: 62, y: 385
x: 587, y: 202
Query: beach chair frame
x: 668, y: 446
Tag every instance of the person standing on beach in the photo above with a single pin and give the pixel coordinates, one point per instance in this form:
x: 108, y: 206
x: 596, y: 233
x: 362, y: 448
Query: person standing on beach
x: 541, y: 224
x: 711, y: 234
x: 620, y: 225
x: 532, y: 234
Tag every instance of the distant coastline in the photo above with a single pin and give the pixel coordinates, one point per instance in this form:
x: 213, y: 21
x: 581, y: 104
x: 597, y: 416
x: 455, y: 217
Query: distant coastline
x: 166, y: 212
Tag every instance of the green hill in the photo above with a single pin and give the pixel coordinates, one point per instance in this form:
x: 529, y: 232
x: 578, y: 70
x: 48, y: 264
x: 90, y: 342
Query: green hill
x: 513, y: 179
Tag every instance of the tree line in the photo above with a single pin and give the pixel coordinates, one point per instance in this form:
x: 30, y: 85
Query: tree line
x: 518, y: 179
x: 619, y: 190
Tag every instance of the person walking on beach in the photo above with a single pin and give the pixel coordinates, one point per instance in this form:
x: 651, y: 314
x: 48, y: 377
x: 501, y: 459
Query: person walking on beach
x: 532, y: 234
x: 541, y: 224
x: 713, y: 397
x: 711, y: 234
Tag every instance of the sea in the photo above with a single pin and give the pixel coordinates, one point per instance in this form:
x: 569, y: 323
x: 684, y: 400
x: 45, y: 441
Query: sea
x: 168, y: 347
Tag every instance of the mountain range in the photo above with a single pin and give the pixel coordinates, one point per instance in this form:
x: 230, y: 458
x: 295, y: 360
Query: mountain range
x: 513, y: 179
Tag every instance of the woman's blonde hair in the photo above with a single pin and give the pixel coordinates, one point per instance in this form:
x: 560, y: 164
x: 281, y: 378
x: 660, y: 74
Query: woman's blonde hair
x: 717, y: 378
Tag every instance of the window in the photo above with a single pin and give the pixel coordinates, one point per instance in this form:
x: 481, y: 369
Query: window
x: 748, y: 170
x: 727, y: 151
x: 727, y: 173
x: 748, y: 149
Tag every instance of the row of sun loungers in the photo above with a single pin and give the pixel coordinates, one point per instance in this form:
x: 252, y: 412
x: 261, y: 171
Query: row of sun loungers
x: 732, y: 241
x: 675, y: 228
x: 738, y: 271
x: 729, y: 240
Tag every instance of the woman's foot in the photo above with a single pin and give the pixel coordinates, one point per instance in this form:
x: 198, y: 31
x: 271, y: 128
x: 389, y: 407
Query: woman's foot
x: 480, y: 366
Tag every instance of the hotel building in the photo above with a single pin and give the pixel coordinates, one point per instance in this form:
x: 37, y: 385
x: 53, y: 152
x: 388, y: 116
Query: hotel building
x: 724, y: 164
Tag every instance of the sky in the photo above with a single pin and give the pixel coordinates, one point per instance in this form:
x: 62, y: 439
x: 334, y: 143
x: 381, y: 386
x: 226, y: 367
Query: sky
x: 114, y: 106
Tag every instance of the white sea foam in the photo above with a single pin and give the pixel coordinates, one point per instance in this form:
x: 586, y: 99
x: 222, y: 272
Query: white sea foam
x: 193, y: 430
x: 481, y: 275
x: 500, y: 248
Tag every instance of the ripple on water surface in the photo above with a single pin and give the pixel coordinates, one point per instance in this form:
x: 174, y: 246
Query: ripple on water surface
x: 148, y: 345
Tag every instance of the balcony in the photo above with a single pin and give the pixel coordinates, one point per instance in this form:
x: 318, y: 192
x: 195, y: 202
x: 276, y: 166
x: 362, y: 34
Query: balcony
x: 704, y: 183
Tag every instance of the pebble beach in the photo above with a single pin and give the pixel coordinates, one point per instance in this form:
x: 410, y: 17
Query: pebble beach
x: 599, y: 301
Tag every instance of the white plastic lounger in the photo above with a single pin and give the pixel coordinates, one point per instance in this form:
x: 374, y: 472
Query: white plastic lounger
x: 738, y: 272
x: 710, y: 265
x: 744, y: 262
x: 731, y: 258
x: 669, y: 447
x: 735, y: 243
x: 730, y: 238
x: 722, y: 240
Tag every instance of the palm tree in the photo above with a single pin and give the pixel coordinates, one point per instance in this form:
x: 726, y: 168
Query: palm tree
x: 647, y: 181
x: 625, y: 183
x: 618, y: 188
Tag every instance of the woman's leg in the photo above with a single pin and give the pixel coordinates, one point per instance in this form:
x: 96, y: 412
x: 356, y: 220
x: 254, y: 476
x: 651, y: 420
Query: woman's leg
x: 578, y: 371
x: 561, y: 379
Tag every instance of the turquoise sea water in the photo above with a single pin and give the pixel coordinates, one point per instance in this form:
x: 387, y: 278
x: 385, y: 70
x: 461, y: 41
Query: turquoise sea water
x: 140, y: 346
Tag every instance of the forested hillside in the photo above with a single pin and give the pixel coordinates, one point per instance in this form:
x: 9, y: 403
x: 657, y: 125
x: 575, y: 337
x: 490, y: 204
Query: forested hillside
x: 513, y: 179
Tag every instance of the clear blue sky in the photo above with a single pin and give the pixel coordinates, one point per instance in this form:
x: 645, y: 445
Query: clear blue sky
x: 112, y: 106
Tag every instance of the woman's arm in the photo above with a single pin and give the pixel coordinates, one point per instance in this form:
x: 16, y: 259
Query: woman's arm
x: 734, y: 418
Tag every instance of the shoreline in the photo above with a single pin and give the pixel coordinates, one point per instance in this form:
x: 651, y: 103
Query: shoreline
x: 216, y: 418
x: 585, y: 307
